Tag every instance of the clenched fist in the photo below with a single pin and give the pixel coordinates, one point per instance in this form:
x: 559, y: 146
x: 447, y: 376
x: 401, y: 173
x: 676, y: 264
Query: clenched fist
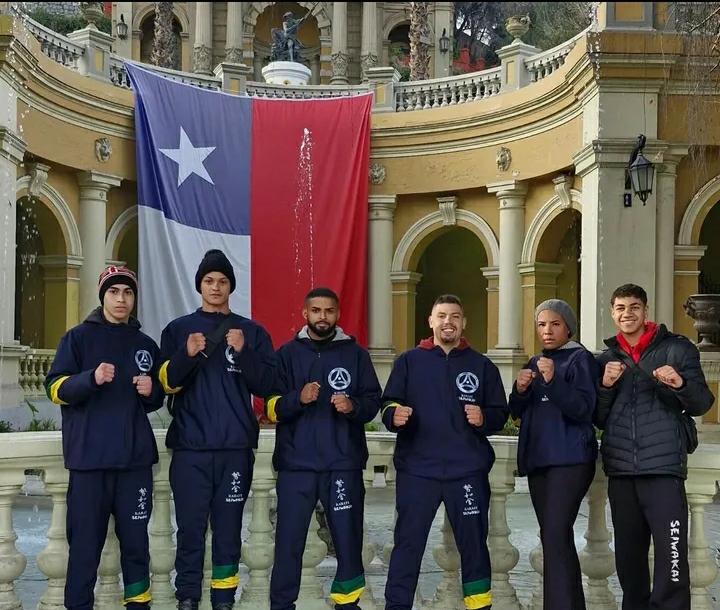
x: 143, y: 384
x: 401, y: 416
x: 474, y: 415
x: 309, y: 393
x: 613, y: 371
x: 341, y: 403
x: 669, y: 376
x: 104, y: 373
x: 195, y: 344
x: 524, y: 379
x: 546, y: 366
x: 235, y: 339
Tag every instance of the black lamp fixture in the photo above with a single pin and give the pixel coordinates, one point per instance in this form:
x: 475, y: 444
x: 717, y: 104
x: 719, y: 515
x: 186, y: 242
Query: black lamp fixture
x: 444, y: 42
x: 641, y: 171
x: 122, y: 28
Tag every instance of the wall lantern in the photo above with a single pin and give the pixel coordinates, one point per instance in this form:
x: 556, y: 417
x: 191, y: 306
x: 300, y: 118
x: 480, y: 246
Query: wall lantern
x: 122, y: 28
x: 444, y: 42
x: 641, y: 171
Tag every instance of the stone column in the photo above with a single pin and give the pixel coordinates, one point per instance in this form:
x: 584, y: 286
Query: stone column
x: 94, y: 188
x: 12, y: 562
x: 404, y: 291
x: 202, y: 49
x: 61, y: 281
x: 443, y: 21
x: 685, y: 282
x: 665, y: 239
x: 539, y: 282
x: 339, y: 57
x: 368, y: 46
x: 492, y: 274
x: 380, y: 290
x: 162, y: 548
x: 508, y: 353
x: 12, y: 149
x: 233, y: 39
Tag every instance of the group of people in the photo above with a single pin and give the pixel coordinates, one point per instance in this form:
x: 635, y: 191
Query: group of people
x: 443, y: 399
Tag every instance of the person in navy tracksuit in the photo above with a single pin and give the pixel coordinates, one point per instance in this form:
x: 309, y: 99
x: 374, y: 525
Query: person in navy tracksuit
x: 327, y: 391
x: 214, y: 429
x: 443, y: 399
x: 555, y: 396
x: 104, y: 376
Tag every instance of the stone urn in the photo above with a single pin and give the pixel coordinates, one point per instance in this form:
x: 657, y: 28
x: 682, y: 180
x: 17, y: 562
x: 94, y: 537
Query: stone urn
x: 517, y: 26
x: 92, y: 11
x: 704, y: 309
x: 286, y: 73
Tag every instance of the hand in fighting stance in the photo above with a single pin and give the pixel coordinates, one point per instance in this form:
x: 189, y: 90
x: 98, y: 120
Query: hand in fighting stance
x: 195, y: 344
x: 143, y: 384
x: 401, y: 416
x: 524, y: 379
x: 474, y: 415
x: 309, y: 393
x: 342, y: 403
x: 613, y: 371
x: 104, y: 373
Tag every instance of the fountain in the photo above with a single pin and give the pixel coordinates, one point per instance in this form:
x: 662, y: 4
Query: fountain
x: 284, y: 69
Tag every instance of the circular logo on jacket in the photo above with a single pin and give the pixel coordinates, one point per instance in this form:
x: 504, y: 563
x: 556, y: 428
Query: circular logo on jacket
x: 144, y: 360
x: 467, y: 382
x: 229, y: 354
x: 339, y: 379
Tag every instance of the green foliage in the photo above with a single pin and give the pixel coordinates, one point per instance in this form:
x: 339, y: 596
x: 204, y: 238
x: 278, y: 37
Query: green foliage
x: 64, y: 24
x: 5, y: 426
x: 371, y: 426
x: 510, y: 428
x: 41, y: 425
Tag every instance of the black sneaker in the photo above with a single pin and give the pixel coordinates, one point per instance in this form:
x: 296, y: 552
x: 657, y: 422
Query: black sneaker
x: 187, y: 604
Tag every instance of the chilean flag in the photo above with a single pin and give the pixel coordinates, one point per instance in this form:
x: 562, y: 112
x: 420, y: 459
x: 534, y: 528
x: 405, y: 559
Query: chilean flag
x: 279, y: 185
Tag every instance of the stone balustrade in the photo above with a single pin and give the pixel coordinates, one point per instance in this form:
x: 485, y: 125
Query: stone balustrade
x: 34, y: 366
x: 42, y: 451
x: 407, y: 96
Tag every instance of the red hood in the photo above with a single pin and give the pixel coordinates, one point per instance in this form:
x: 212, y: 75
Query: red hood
x: 429, y: 343
x: 635, y: 351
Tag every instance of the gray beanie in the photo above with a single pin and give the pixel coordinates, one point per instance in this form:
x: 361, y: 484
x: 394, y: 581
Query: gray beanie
x: 561, y: 308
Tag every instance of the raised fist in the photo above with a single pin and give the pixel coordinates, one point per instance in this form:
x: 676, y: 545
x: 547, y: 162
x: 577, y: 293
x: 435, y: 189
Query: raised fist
x: 401, y: 416
x: 474, y: 415
x: 195, y: 344
x: 546, y: 366
x: 524, y: 379
x: 309, y: 393
x: 613, y: 372
x: 143, y: 384
x: 235, y: 339
x: 104, y: 373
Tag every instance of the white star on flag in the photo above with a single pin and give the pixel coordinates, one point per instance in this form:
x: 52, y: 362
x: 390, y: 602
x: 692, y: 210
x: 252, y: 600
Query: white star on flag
x: 189, y: 158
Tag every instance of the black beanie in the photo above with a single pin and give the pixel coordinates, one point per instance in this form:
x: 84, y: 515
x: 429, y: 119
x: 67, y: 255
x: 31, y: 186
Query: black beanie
x: 215, y: 260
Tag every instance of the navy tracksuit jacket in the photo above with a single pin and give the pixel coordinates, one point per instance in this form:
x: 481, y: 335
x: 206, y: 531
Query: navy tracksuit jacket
x: 440, y: 457
x: 320, y: 455
x: 213, y: 433
x: 109, y: 449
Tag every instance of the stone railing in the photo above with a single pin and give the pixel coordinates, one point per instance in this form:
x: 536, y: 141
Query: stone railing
x: 264, y: 90
x: 42, y: 451
x: 119, y: 77
x: 56, y: 46
x: 441, y: 92
x: 544, y: 64
x: 34, y: 366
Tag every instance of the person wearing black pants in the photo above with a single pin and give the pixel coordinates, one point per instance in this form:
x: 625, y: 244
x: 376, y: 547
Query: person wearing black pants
x: 554, y: 396
x: 651, y: 381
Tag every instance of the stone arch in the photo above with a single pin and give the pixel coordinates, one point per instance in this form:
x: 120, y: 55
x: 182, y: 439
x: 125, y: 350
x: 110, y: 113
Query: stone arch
x: 53, y: 200
x: 254, y: 9
x: 548, y: 212
x: 418, y: 236
x: 700, y: 205
x: 392, y: 22
x: 178, y: 10
x: 117, y: 232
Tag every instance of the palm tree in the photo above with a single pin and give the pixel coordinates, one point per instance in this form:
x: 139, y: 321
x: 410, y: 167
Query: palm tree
x: 419, y: 41
x: 164, y: 46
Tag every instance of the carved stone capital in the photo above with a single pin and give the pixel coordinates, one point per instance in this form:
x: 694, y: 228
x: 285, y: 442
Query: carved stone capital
x: 368, y: 61
x: 377, y: 173
x: 339, y: 62
x: 233, y: 55
x: 202, y: 59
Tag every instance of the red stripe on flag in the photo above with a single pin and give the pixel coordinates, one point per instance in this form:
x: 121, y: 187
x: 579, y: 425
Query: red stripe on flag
x: 309, y: 210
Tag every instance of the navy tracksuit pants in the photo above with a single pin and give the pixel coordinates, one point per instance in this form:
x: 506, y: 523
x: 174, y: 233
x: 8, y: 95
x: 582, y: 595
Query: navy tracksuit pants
x: 209, y: 485
x: 467, y: 502
x: 342, y: 495
x: 94, y: 495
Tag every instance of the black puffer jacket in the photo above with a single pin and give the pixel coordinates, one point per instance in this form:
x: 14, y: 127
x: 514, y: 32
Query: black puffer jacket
x: 640, y: 416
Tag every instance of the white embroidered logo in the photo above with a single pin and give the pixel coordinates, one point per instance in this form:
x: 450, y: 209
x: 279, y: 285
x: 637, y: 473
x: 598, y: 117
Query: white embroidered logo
x: 468, y: 383
x: 144, y: 360
x: 233, y: 368
x: 471, y: 507
x: 341, y: 501
x: 236, y: 494
x: 141, y: 512
x: 339, y: 379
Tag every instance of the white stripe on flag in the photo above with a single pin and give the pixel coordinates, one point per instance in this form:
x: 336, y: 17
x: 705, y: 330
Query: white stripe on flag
x: 169, y: 255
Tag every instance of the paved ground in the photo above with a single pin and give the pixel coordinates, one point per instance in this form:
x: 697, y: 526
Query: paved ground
x: 32, y: 516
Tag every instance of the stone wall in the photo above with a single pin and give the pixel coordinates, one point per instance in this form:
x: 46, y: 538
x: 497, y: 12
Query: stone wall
x: 69, y: 9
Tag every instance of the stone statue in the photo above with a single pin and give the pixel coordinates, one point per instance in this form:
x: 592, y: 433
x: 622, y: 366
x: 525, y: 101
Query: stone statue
x: 285, y: 45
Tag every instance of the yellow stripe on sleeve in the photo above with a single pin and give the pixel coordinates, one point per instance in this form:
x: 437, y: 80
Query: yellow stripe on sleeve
x: 347, y: 598
x: 162, y: 375
x: 477, y: 601
x: 390, y: 405
x: 231, y: 582
x: 55, y: 388
x: 270, y: 408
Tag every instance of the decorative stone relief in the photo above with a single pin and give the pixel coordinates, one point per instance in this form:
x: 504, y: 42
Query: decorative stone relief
x: 38, y: 177
x: 202, y: 60
x: 368, y: 61
x: 234, y: 55
x: 377, y: 173
x: 562, y: 190
x: 503, y: 158
x: 448, y: 207
x: 340, y: 62
x: 103, y: 149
